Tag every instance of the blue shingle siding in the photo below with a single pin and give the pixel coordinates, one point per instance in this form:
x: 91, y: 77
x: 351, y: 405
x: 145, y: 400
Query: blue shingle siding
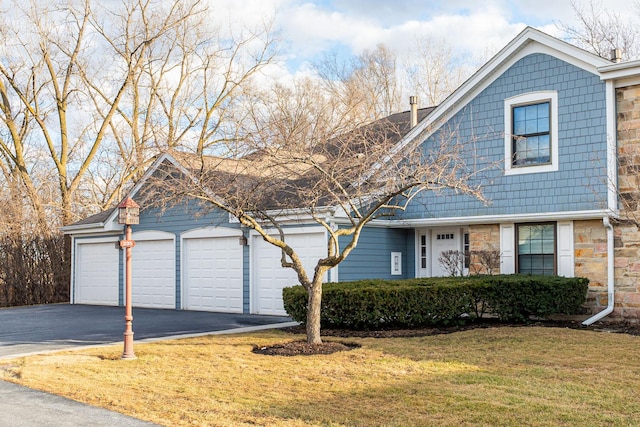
x: 372, y: 257
x: 580, y: 182
x: 178, y: 219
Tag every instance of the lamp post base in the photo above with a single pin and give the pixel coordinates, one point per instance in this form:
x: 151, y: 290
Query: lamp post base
x: 128, y: 339
x: 128, y: 353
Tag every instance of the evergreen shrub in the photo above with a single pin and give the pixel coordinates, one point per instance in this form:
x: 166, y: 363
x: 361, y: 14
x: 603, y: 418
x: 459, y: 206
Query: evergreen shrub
x: 376, y: 304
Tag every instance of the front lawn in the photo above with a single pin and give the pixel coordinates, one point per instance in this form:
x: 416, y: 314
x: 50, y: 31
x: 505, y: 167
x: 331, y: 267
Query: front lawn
x: 504, y: 376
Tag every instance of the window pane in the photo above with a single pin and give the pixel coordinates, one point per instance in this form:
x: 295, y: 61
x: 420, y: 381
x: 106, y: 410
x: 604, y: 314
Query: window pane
x: 518, y: 114
x: 547, y: 231
x: 543, y: 110
x: 530, y: 112
x: 535, y: 247
x: 543, y: 124
x: 525, y: 263
x: 534, y: 143
x: 548, y: 247
x: 531, y: 126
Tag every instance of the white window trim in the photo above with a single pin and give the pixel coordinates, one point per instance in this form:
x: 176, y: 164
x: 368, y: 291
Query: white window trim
x: 530, y: 98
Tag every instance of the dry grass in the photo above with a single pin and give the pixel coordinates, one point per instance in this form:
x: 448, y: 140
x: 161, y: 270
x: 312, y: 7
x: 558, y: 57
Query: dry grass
x: 491, y: 377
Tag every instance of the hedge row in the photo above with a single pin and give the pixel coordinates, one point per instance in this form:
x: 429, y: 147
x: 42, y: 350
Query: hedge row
x: 373, y: 304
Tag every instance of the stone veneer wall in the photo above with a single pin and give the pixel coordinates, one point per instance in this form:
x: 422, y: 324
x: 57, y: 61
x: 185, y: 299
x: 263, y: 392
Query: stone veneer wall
x: 627, y: 234
x: 590, y: 258
x: 590, y: 255
x: 483, y: 238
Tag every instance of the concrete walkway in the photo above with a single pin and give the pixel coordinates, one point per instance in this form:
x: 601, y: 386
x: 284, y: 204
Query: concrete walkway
x: 47, y: 328
x: 23, y: 407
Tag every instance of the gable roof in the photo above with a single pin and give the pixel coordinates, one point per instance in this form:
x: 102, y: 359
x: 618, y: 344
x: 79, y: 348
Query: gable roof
x: 529, y: 41
x: 237, y: 172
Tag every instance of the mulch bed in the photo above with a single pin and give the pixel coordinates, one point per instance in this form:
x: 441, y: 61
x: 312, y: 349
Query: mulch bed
x: 297, y: 348
x: 302, y: 348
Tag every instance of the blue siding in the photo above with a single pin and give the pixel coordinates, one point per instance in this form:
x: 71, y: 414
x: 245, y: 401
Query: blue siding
x: 410, y: 262
x: 580, y: 182
x: 179, y: 219
x: 372, y: 257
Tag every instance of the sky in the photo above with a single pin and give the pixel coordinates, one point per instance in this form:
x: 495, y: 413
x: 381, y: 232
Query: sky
x: 475, y: 29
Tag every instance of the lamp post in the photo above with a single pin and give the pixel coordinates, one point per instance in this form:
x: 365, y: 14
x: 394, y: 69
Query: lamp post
x: 128, y: 213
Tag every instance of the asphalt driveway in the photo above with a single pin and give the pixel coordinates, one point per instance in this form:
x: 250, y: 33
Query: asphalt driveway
x: 35, y: 329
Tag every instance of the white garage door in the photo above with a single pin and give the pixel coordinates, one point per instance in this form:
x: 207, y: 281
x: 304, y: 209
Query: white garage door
x: 96, y: 273
x: 153, y: 272
x: 268, y: 275
x: 213, y: 274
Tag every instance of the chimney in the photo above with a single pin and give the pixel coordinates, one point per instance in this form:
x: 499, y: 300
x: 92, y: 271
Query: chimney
x: 413, y: 102
x: 616, y: 55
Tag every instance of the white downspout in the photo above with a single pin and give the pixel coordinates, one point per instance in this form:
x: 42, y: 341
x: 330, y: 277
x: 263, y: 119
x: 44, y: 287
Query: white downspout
x: 610, y: 276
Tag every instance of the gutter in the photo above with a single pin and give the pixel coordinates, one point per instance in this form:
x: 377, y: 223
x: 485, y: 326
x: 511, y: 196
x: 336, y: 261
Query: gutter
x: 484, y: 219
x: 69, y: 229
x: 610, y: 276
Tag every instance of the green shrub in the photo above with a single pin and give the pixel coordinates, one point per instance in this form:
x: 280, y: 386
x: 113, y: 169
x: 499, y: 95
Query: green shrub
x: 374, y: 304
x: 519, y: 297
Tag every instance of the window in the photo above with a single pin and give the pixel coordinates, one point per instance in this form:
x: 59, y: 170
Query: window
x: 536, y: 248
x: 466, y: 250
x: 531, y: 136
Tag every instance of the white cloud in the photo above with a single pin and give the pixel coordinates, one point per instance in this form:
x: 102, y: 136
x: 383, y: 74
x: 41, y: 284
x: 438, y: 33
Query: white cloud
x: 474, y: 29
x: 359, y: 25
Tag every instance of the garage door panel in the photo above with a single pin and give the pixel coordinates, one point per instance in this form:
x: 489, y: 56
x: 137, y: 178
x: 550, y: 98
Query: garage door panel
x: 213, y: 277
x: 153, y: 274
x: 269, y: 277
x: 96, y: 279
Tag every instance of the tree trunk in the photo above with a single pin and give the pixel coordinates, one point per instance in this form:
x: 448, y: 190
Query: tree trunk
x: 313, y: 313
x: 66, y: 207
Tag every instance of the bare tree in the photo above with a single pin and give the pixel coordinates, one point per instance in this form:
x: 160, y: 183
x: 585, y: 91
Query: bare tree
x: 452, y: 262
x: 600, y: 30
x: 46, y: 74
x: 486, y: 261
x: 299, y: 165
x: 89, y: 93
x: 433, y: 72
x: 367, y: 85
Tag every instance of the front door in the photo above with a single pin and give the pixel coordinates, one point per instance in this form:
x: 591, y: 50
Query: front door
x: 442, y: 240
x: 430, y: 246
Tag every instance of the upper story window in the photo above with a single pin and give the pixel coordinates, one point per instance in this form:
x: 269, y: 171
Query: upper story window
x: 531, y: 133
